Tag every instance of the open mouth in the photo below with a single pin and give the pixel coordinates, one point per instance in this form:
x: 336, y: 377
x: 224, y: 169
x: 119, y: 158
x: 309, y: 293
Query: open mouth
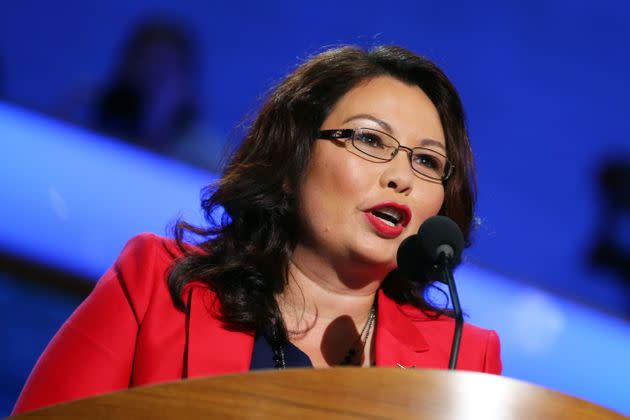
x: 392, y: 214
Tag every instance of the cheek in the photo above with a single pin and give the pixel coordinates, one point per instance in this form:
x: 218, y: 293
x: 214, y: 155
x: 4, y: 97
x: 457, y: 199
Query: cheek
x: 333, y: 190
x: 340, y: 178
x: 353, y: 178
x: 428, y: 203
x: 328, y: 184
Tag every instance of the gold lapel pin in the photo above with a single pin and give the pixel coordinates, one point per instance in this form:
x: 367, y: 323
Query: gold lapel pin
x: 403, y: 367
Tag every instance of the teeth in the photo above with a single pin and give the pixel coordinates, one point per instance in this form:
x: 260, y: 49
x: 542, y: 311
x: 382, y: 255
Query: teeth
x: 389, y: 215
x: 387, y: 222
x: 392, y: 212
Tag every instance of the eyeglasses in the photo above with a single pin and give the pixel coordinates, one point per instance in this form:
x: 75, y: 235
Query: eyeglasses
x: 384, y: 147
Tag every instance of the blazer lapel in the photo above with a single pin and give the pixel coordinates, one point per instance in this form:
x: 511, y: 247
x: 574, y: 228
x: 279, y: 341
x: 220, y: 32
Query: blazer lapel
x: 398, y: 343
x: 211, y: 349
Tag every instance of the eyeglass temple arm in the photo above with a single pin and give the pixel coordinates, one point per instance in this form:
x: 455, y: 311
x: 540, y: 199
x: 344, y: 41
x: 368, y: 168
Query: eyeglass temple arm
x: 336, y: 134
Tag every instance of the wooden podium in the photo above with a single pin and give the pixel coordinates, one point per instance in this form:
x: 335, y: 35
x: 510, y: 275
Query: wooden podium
x: 335, y: 393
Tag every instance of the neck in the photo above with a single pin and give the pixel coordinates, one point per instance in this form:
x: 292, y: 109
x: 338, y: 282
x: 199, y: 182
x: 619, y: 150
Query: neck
x: 326, y: 306
x: 319, y: 293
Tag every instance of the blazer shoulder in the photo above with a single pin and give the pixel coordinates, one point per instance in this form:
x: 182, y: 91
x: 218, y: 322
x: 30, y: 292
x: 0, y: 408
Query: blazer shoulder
x: 148, y: 245
x: 143, y: 267
x: 425, y: 318
x: 480, y: 348
x: 148, y: 252
x: 446, y: 324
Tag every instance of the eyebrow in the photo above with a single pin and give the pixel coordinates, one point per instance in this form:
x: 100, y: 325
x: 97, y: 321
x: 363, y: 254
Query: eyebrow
x: 431, y: 142
x: 388, y: 129
x: 382, y: 123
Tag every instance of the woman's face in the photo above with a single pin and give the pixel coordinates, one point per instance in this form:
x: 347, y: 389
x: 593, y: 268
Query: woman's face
x: 345, y: 194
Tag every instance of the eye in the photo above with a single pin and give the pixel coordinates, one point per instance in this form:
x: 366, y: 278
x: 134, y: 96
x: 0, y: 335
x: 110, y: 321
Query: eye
x: 369, y: 139
x: 428, y: 161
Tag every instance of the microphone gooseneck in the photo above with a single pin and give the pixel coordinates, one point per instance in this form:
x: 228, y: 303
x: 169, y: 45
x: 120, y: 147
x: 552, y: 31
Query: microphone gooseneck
x: 447, y: 274
x: 437, y: 246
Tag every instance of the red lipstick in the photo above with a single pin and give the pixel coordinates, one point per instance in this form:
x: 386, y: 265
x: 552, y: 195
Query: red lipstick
x: 394, y: 211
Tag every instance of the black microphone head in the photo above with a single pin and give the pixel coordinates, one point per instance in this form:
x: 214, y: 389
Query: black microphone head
x: 440, y: 234
x: 418, y: 254
x: 409, y: 259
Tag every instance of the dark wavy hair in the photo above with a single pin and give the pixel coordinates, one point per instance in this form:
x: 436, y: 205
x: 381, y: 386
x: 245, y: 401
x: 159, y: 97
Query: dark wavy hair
x: 244, y: 258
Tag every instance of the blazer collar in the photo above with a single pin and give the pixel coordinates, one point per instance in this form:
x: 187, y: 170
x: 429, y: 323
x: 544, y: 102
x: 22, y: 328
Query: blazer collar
x: 398, y: 341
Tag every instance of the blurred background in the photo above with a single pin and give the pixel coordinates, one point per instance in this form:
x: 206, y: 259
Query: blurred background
x: 113, y: 116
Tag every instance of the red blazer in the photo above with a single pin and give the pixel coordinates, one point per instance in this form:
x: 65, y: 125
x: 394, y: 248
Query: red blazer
x: 129, y: 333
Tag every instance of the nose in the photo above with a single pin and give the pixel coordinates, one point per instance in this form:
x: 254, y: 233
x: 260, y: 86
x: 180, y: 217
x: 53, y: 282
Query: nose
x: 398, y: 174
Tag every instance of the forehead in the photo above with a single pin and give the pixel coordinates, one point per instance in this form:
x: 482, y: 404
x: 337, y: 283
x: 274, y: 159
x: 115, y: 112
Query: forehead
x: 404, y: 108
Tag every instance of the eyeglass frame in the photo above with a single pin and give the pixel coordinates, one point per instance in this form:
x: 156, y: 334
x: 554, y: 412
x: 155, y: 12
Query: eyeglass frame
x: 348, y: 134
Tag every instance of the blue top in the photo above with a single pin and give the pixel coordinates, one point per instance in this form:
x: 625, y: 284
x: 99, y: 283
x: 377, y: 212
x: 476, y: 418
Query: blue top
x: 262, y: 356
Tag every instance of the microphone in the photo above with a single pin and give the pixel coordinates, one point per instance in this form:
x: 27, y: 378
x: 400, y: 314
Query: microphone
x: 437, y: 246
x: 439, y: 239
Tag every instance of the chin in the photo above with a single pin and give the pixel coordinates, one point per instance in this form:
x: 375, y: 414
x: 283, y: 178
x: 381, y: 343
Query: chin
x: 376, y: 260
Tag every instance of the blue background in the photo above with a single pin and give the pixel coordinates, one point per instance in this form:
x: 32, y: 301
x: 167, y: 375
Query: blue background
x: 546, y: 93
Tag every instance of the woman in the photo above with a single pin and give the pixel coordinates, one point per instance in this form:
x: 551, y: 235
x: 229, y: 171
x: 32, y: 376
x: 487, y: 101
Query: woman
x: 347, y: 157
